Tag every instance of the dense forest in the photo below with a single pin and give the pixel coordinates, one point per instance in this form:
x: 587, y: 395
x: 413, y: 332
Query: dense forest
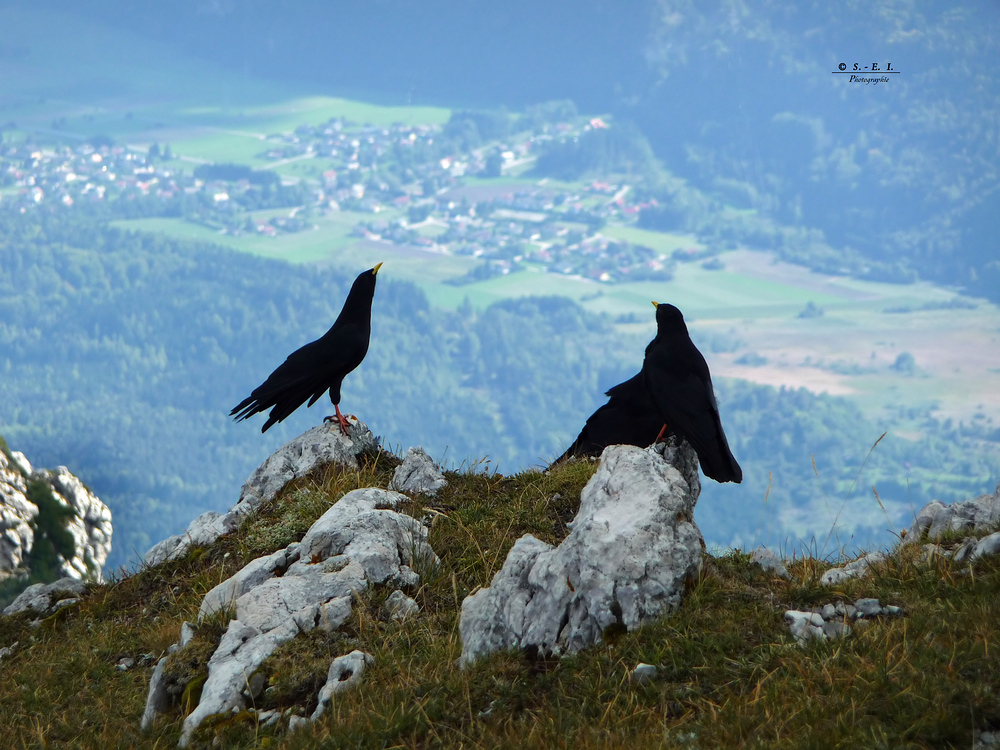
x: 122, y: 354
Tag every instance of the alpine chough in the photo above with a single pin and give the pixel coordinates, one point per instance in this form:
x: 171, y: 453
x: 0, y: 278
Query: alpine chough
x: 629, y: 418
x: 678, y: 383
x: 308, y: 372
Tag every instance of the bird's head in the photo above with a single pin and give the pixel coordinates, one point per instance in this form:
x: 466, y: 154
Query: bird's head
x: 362, y: 291
x: 668, y: 317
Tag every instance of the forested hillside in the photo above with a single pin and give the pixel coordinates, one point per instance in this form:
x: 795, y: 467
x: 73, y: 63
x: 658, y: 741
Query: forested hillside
x: 740, y: 102
x: 122, y: 354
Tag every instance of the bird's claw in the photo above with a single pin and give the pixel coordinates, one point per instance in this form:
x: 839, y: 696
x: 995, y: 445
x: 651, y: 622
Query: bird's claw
x: 340, y: 420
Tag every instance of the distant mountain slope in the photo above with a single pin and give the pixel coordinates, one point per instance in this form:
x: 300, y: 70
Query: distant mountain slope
x: 742, y: 101
x: 123, y: 353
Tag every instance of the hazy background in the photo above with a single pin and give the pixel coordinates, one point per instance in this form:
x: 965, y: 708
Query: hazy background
x: 123, y: 353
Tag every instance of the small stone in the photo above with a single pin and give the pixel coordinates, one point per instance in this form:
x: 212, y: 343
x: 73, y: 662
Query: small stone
x: 294, y: 722
x: 125, y: 663
x: 964, y: 551
x: 418, y: 474
x: 892, y: 610
x: 8, y: 650
x: 835, y: 630
x: 187, y: 633
x: 399, y: 606
x: 988, y: 545
x: 642, y: 673
x: 856, y: 569
x: 804, y: 625
x: 268, y: 718
x: 769, y: 562
x: 868, y: 607
x: 345, y: 673
x: 255, y: 685
x: 829, y: 612
x: 406, y: 578
x: 157, y: 701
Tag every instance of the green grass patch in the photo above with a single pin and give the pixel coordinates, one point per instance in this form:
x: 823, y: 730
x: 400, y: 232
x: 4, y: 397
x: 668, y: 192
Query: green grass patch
x: 662, y: 242
x: 729, y: 673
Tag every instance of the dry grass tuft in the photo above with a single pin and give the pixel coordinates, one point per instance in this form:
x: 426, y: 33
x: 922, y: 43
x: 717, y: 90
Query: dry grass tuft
x: 729, y: 673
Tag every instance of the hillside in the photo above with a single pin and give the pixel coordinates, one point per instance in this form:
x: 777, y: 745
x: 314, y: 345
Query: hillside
x: 728, y: 673
x: 741, y: 102
x: 123, y: 353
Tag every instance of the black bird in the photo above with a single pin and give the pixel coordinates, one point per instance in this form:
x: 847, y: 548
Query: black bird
x: 629, y: 418
x: 319, y: 365
x: 678, y: 382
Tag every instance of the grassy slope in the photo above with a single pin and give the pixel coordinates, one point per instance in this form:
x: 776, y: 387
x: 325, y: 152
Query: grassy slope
x: 730, y: 674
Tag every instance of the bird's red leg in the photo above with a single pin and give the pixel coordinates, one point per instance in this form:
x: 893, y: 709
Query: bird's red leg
x: 340, y: 419
x: 660, y: 436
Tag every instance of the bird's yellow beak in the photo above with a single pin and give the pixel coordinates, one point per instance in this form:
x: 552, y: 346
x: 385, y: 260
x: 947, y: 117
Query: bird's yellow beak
x: 375, y: 270
x: 656, y: 304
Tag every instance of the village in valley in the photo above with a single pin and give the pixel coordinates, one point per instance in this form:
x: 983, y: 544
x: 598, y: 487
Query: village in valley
x: 444, y: 189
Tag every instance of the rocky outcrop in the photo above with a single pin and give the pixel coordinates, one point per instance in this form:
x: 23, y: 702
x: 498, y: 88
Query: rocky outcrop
x: 936, y: 519
x: 360, y: 541
x: 417, y: 475
x: 17, y: 513
x: 37, y: 502
x: 770, y: 562
x: 46, y: 598
x: 632, y: 549
x: 933, y: 522
x: 856, y: 569
x: 320, y: 445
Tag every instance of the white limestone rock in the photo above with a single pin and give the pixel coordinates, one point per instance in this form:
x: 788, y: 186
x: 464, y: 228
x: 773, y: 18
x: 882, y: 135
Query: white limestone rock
x: 157, y: 699
x: 17, y: 534
x: 631, y: 550
x: 89, y: 524
x: 242, y: 650
x: 936, y: 518
x: 320, y: 445
x: 770, y: 562
x: 856, y: 569
x: 358, y: 542
x: 805, y: 626
x: 988, y: 545
x: 418, y: 474
x: 642, y: 673
x: 345, y: 673
x: 399, y: 606
x: 46, y: 598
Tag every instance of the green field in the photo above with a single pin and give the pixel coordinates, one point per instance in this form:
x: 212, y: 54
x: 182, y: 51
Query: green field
x: 659, y: 241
